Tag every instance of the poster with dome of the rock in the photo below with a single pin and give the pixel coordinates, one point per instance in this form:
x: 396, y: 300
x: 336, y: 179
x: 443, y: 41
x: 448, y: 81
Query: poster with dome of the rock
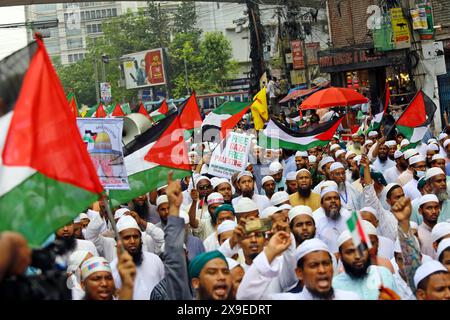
x: 103, y: 139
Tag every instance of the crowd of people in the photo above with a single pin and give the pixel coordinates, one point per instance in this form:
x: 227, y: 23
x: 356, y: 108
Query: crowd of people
x: 277, y: 230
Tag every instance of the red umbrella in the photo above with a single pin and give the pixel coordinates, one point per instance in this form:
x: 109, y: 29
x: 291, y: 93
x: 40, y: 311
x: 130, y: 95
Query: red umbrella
x: 333, y: 97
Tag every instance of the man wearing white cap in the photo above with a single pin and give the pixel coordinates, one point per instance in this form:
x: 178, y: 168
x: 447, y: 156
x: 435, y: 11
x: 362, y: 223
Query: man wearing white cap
x: 432, y: 281
x: 246, y: 185
x: 162, y: 206
x: 431, y: 150
x: 339, y: 156
x: 360, y: 276
x: 74, y: 273
x: 382, y: 162
x: 391, y: 175
x: 418, y: 166
x: 392, y: 146
x: 279, y: 198
x: 350, y: 198
x: 324, y: 167
x: 149, y: 267
x: 302, y: 224
x: 330, y: 218
x: 224, y: 187
x: 430, y: 210
x: 304, y: 195
x: 276, y: 171
x: 437, y: 181
x: 443, y: 253
x: 301, y: 160
x: 373, y: 135
x: 220, y: 214
x: 291, y: 182
x: 356, y: 145
x: 349, y: 156
x: 407, y: 175
x: 317, y: 281
x: 438, y: 161
x: 67, y: 233
x: 268, y: 186
x: 440, y: 232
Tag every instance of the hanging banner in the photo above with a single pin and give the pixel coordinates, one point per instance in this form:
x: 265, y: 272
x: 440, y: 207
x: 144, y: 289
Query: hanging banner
x: 433, y: 54
x: 427, y: 33
x: 419, y: 18
x: 233, y: 158
x: 400, y: 29
x: 311, y: 52
x: 105, y: 92
x: 103, y: 139
x: 144, y: 69
x: 297, y: 54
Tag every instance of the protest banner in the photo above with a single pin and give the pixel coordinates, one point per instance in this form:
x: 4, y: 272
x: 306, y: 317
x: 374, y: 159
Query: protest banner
x: 103, y: 139
x: 233, y: 158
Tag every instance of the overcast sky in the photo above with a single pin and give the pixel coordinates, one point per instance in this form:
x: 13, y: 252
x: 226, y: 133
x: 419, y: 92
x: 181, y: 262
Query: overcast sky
x: 12, y: 39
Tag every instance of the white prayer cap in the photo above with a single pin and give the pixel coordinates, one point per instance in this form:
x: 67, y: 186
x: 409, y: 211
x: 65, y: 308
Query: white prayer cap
x: 285, y: 207
x: 275, y: 167
x: 427, y: 269
x: 443, y: 135
x: 444, y: 244
x: 214, y: 198
x: 312, y: 159
x: 440, y: 230
x: 390, y: 186
x: 409, y: 153
x: 226, y: 225
x: 299, y: 210
x: 92, y: 265
x: 325, y: 160
x: 428, y: 198
x: 336, y: 166
x: 432, y: 147
x: 267, y: 212
x: 219, y: 181
x: 334, y: 147
x: 373, y: 134
x: 126, y: 222
x: 413, y: 225
x: 120, y: 213
x: 328, y: 183
x: 291, y: 176
x: 446, y: 143
x: 183, y: 214
x: 245, y: 205
x: 302, y: 154
x: 162, y: 187
x: 343, y: 237
x: 214, y: 181
x: 197, y: 180
x: 437, y: 156
x: 279, y: 197
x: 432, y: 172
x: 232, y: 263
x: 309, y: 246
x: 416, y: 159
x: 244, y: 174
x: 84, y: 216
x: 367, y: 142
x: 349, y: 154
x: 303, y: 170
x: 161, y: 199
x: 339, y: 152
x: 432, y: 140
x: 267, y: 178
x: 328, y: 190
x: 371, y: 210
x: 404, y: 142
x: 75, y: 260
x: 357, y: 159
x: 369, y: 228
x: 397, y: 154
x: 390, y: 143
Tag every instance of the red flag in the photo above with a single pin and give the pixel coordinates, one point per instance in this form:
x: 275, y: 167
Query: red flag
x: 143, y: 111
x: 231, y: 122
x: 164, y: 108
x: 100, y: 113
x: 42, y: 134
x: 73, y: 105
x: 170, y: 149
x: 118, y: 112
x: 189, y: 114
x: 387, y: 99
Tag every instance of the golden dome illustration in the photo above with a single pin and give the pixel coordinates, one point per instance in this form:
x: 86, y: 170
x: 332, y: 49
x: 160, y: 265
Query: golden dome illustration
x: 102, y: 141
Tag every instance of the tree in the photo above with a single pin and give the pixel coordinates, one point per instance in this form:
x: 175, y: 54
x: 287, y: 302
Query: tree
x: 185, y: 18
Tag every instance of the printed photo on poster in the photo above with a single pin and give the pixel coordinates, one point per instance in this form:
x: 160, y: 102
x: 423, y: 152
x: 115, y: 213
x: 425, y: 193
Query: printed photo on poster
x: 103, y: 139
x: 144, y: 69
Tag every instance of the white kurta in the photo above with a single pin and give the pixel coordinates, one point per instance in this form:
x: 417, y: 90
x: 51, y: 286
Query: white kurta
x: 148, y: 275
x: 383, y: 166
x: 410, y: 189
x: 329, y: 230
x: 391, y: 175
x: 211, y: 243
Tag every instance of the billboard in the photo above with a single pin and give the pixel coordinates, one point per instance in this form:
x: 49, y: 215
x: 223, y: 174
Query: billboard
x: 297, y: 54
x: 144, y: 69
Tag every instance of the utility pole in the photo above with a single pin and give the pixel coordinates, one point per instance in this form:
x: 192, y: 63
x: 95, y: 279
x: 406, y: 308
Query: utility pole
x: 97, y: 91
x: 305, y: 60
x: 256, y: 46
x: 186, y: 77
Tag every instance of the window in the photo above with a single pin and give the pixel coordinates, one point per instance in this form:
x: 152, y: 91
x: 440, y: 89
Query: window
x: 74, y: 43
x: 114, y: 12
x: 82, y: 16
x: 88, y: 15
x: 103, y: 13
x: 97, y: 14
x: 89, y: 28
x: 45, y: 7
x: 108, y: 12
x: 94, y: 28
x: 70, y: 57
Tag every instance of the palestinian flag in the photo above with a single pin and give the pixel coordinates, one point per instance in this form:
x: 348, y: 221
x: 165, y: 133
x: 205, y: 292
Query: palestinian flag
x: 276, y: 135
x: 73, y: 104
x: 189, y: 115
x: 46, y: 175
x: 223, y: 118
x: 143, y: 111
x: 360, y: 239
x: 415, y: 120
x: 126, y: 108
x: 378, y: 110
x: 161, y: 113
x: 118, y: 112
x: 145, y: 176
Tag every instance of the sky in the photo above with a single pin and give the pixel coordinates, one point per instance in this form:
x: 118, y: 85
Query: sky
x: 12, y: 39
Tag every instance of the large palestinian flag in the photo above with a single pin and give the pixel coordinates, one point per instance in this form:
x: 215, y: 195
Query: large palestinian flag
x: 276, y: 135
x: 145, y: 176
x: 46, y: 175
x: 223, y: 118
x: 415, y: 120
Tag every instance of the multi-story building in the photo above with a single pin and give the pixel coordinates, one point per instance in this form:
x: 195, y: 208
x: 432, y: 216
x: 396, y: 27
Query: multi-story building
x: 76, y: 23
